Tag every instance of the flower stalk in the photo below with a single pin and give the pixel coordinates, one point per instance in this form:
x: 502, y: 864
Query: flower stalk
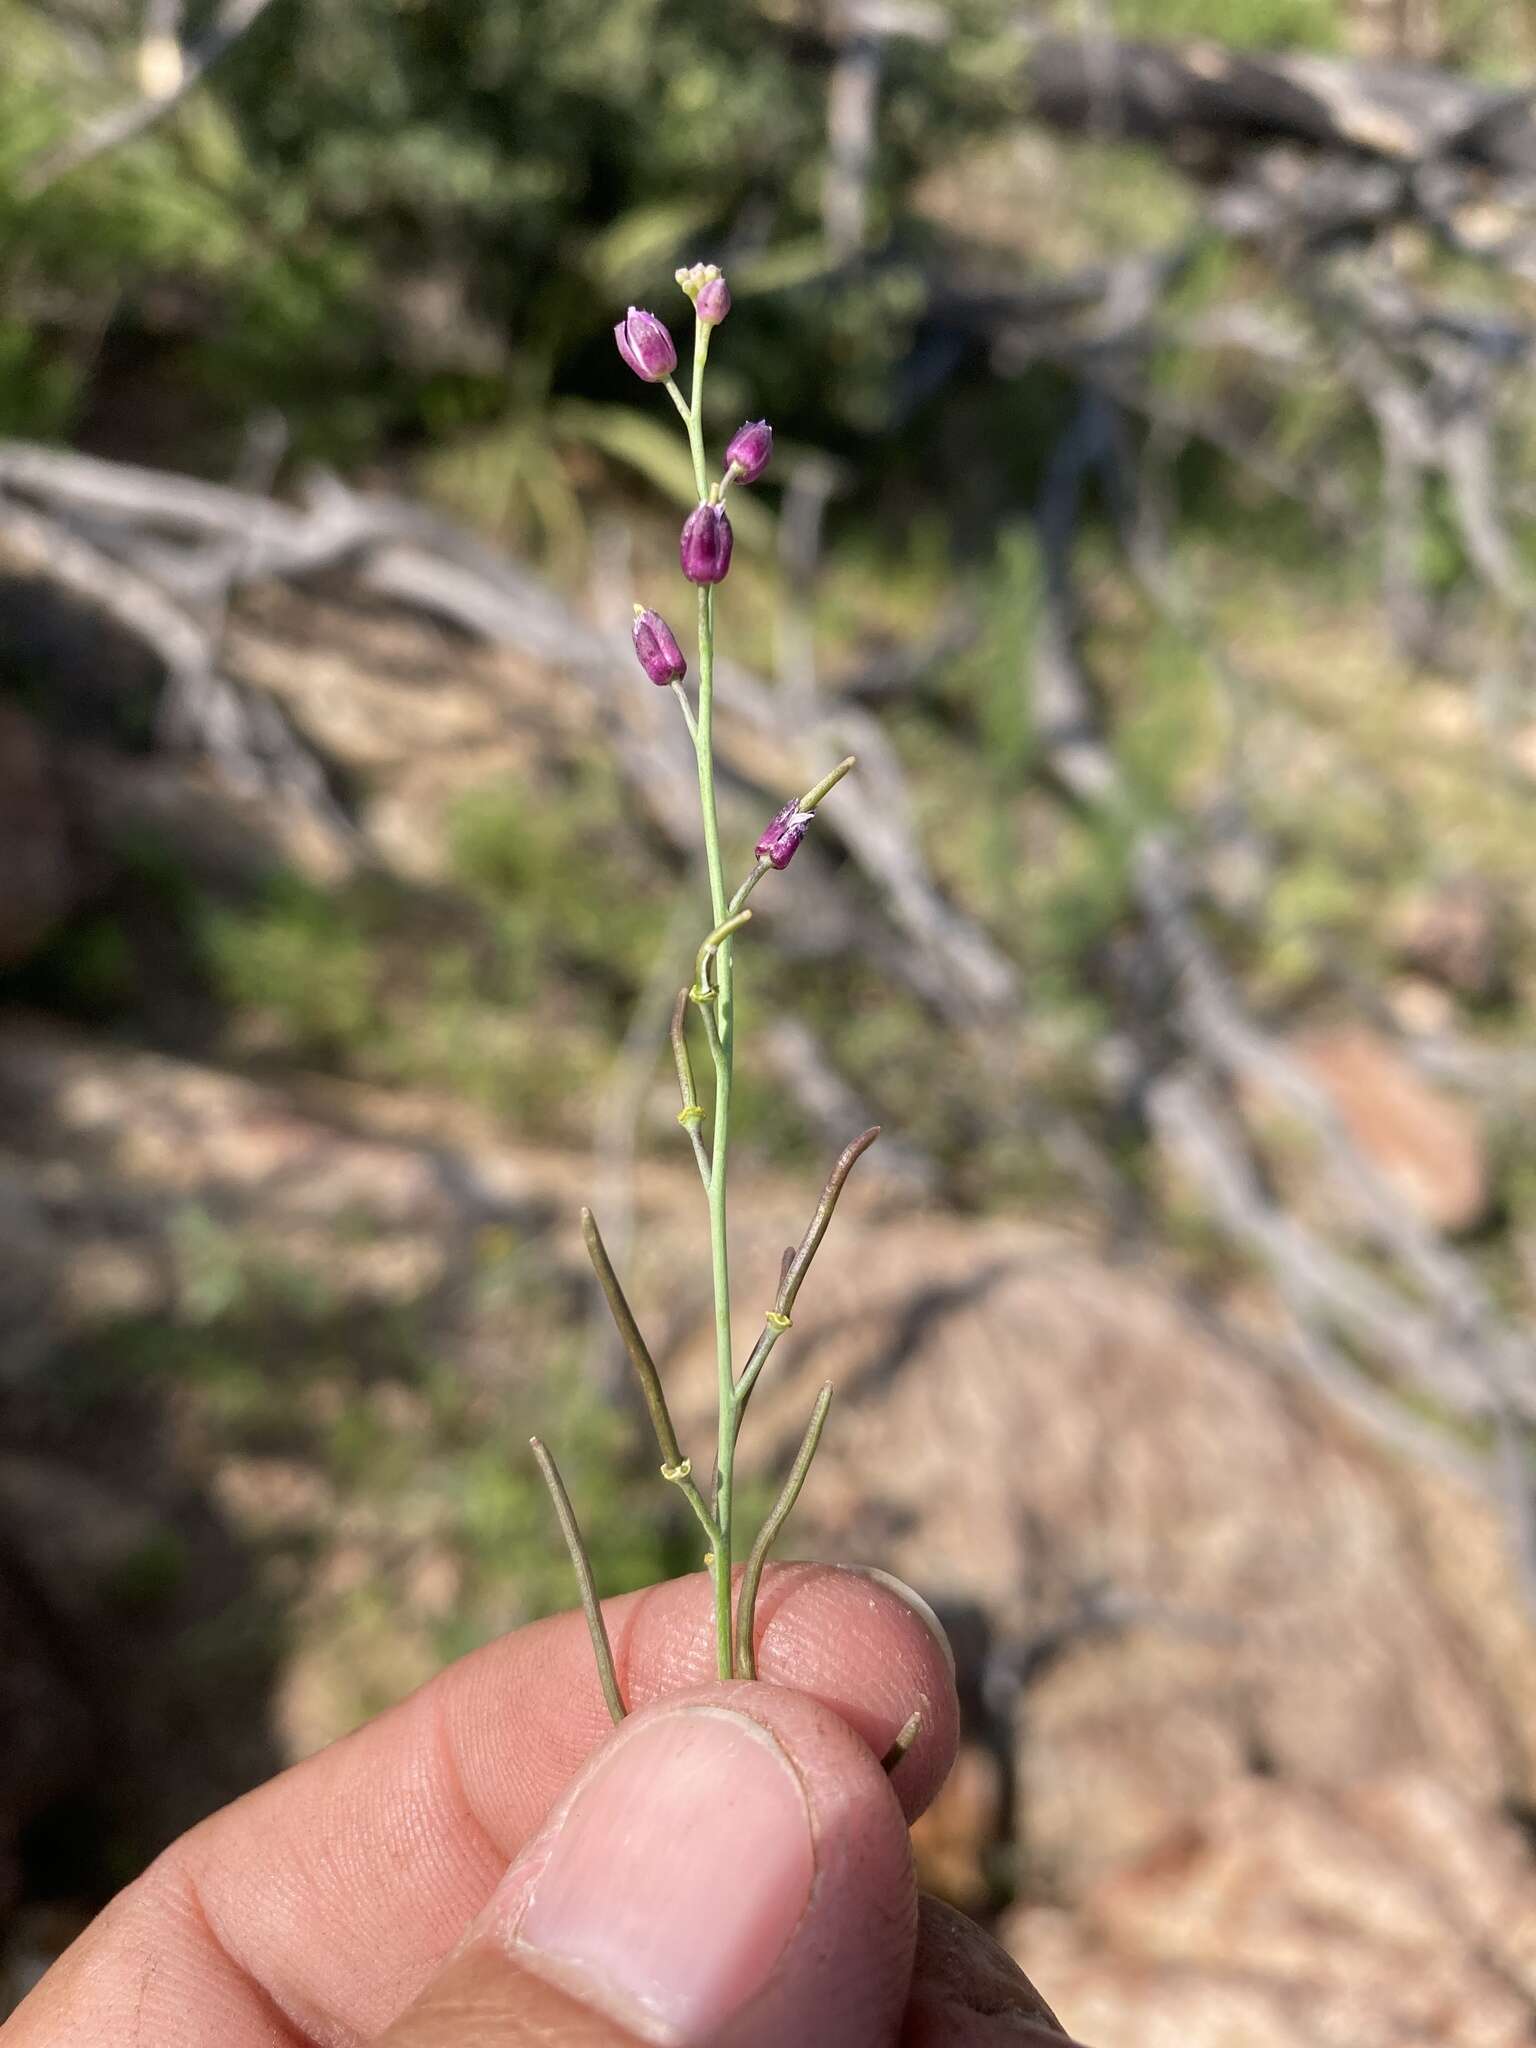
x: 705, y: 548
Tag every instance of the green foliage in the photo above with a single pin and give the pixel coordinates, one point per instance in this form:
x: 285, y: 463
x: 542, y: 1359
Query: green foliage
x: 150, y: 1574
x: 404, y: 223
x: 502, y: 1517
x: 993, y: 677
x: 1169, y: 728
x: 1246, y: 24
x: 275, y: 1364
x: 37, y: 388
x: 566, y: 881
x: 303, y: 957
x: 506, y: 987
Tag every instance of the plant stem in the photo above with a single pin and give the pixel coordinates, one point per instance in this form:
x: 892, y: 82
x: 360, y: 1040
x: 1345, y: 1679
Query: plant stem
x: 711, y: 948
x: 688, y: 719
x: 691, y: 1115
x: 681, y: 403
x: 720, y: 1131
x: 763, y: 867
x: 701, y: 334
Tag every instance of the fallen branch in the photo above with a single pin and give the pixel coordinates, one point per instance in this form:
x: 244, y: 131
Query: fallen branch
x: 1426, y: 1322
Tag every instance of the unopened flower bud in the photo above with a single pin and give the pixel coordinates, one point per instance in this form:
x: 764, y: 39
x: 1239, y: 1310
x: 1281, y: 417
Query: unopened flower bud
x: 693, y: 277
x: 713, y: 302
x: 779, y: 843
x: 749, y: 450
x: 646, y: 346
x: 656, y: 648
x: 704, y: 548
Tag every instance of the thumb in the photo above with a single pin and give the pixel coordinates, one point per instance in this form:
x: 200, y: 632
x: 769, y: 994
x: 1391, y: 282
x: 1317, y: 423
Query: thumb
x: 730, y: 1869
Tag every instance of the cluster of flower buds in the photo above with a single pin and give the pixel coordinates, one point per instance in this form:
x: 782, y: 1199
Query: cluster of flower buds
x: 704, y: 546
x: 710, y: 293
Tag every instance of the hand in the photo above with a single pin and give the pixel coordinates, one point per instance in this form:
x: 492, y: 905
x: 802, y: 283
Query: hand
x: 491, y: 1862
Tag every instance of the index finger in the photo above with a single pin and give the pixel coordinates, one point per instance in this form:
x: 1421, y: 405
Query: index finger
x: 317, y: 1907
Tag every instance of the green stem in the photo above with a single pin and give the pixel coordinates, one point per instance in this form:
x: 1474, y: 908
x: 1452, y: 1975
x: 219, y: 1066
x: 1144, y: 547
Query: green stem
x: 688, y: 719
x: 693, y: 415
x: 681, y: 403
x: 720, y: 1131
x: 691, y: 1115
x: 764, y: 867
x: 701, y: 334
x: 711, y: 948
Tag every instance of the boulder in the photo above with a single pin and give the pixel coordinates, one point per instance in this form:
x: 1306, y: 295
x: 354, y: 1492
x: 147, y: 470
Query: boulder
x: 1424, y: 1142
x: 1393, y: 1912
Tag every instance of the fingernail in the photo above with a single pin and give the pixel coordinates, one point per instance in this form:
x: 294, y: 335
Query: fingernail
x: 915, y: 1601
x: 675, y: 1877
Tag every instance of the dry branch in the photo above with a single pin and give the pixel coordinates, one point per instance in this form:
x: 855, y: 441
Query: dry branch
x: 1425, y: 1322
x: 1185, y: 96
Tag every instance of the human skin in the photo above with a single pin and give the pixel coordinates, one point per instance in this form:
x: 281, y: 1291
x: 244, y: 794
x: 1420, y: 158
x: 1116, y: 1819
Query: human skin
x: 491, y: 1862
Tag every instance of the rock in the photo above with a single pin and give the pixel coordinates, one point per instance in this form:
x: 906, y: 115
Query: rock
x: 1423, y: 1142
x: 1418, y: 1006
x: 42, y: 884
x: 1395, y: 1912
x: 1218, y: 1610
x: 1239, y: 1682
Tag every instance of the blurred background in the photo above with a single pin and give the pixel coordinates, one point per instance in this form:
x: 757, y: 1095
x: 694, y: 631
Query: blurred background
x: 1153, y: 514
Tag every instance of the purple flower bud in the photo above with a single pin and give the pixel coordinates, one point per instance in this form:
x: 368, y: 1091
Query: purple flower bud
x: 656, y: 648
x: 694, y: 277
x: 713, y: 302
x: 783, y: 836
x: 646, y: 346
x: 705, y: 546
x: 749, y: 450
